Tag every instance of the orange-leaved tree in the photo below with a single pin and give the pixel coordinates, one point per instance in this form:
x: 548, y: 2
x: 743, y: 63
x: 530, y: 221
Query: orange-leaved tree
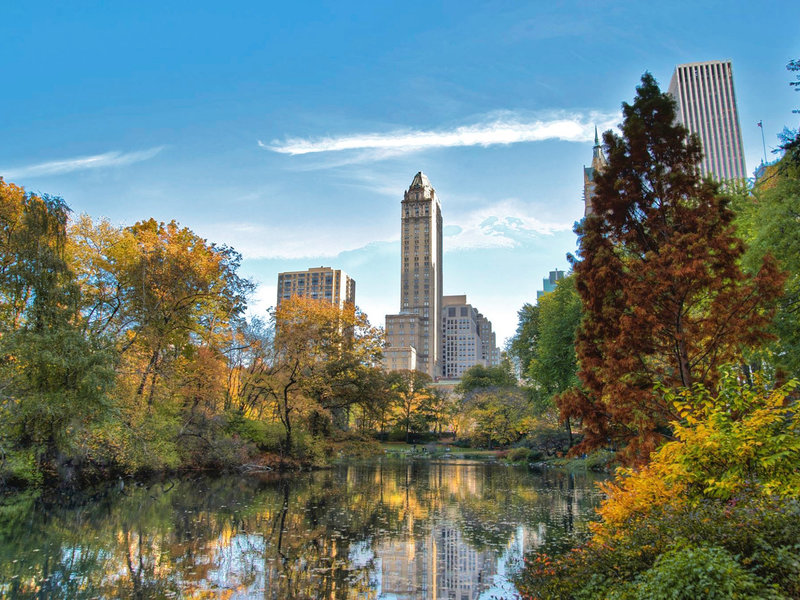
x: 321, y: 351
x: 664, y: 298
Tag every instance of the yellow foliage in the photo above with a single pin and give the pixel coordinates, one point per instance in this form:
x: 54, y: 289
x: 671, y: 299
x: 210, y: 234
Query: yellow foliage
x: 739, y: 439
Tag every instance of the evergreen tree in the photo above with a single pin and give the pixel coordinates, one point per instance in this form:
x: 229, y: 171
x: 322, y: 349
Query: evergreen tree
x: 665, y: 301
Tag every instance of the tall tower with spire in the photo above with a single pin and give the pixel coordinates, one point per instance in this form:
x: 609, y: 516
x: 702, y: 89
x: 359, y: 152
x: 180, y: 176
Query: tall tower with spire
x: 598, y: 164
x: 415, y: 330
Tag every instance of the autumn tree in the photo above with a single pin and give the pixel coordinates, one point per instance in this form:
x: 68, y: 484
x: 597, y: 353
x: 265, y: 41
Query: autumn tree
x: 320, y: 350
x: 183, y: 290
x: 167, y: 303
x: 665, y: 301
x: 495, y: 415
x: 158, y: 289
x: 54, y: 378
x: 412, y: 391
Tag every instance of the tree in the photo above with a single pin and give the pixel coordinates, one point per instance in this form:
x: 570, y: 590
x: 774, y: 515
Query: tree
x: 496, y: 415
x: 770, y: 221
x: 54, y: 378
x: 158, y: 289
x: 790, y: 138
x: 319, y: 351
x: 553, y: 369
x: 665, y: 300
x: 481, y: 377
x: 493, y: 407
x: 411, y: 389
x: 183, y: 290
x: 524, y: 342
x: 167, y: 303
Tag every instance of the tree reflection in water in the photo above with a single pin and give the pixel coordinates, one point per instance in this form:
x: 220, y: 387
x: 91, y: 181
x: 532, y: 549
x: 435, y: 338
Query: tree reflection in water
x: 383, y: 529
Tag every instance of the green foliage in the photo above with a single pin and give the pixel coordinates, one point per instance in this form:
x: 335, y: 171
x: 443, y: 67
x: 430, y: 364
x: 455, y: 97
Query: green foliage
x: 520, y: 454
x: 266, y: 436
x: 523, y: 344
x: 768, y: 220
x: 495, y: 416
x: 480, y: 377
x: 545, y: 345
x: 309, y: 450
x: 728, y: 480
x: 55, y: 378
x: 760, y: 534
x: 553, y: 366
x: 548, y: 438
x: 688, y: 572
x: 740, y: 437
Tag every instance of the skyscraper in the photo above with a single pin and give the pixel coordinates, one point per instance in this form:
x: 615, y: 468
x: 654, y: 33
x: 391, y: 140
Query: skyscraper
x: 707, y: 107
x: 322, y: 283
x: 598, y: 164
x: 420, y: 278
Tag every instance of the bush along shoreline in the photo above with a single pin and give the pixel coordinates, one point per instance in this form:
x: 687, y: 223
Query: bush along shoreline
x: 715, y: 514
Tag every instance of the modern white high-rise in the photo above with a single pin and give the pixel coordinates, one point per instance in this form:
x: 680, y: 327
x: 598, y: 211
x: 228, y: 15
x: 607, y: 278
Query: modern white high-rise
x: 707, y: 107
x: 420, y: 278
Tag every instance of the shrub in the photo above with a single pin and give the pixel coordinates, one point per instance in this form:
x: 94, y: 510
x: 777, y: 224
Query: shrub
x: 549, y: 440
x: 728, y: 487
x: 308, y: 450
x: 690, y: 572
x: 600, y: 461
x: 267, y: 437
x: 518, y: 454
x: 762, y: 533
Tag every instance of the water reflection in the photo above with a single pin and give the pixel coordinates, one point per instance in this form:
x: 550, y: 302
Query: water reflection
x: 389, y: 529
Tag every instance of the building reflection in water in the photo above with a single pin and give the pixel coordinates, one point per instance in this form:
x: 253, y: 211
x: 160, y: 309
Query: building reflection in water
x: 440, y: 565
x: 387, y: 530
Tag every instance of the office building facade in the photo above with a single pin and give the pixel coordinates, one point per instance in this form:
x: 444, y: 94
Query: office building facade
x: 320, y: 283
x: 707, y: 107
x: 420, y: 276
x: 550, y: 282
x: 467, y: 338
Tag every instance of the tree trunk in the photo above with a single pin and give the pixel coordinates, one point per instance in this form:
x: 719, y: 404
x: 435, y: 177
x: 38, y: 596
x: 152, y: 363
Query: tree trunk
x: 569, y: 431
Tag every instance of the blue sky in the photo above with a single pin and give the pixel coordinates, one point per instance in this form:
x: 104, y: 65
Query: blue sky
x: 290, y: 130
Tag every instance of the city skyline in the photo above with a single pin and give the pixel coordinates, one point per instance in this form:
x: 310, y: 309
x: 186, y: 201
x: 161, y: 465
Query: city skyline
x: 240, y: 124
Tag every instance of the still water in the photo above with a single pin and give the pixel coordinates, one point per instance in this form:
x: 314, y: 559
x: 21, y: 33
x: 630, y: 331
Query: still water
x: 388, y: 529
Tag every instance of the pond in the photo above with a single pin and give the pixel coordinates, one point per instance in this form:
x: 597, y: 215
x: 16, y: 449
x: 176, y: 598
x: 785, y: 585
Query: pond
x: 450, y: 529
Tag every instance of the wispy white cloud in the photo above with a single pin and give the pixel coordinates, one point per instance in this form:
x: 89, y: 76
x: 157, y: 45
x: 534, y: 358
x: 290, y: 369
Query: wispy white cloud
x: 504, y: 224
x: 257, y: 241
x: 83, y: 163
x: 498, y: 128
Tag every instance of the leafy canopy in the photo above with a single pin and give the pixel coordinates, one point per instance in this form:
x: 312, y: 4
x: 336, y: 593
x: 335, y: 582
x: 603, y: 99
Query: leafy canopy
x: 664, y: 298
